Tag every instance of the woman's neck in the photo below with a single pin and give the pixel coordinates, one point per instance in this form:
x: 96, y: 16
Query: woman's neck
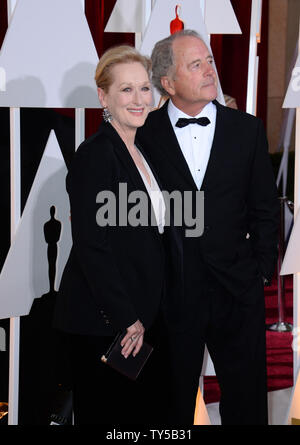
x: 127, y: 135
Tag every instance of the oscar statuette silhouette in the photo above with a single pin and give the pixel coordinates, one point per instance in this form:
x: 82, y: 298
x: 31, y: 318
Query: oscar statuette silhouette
x: 52, y: 231
x: 42, y: 349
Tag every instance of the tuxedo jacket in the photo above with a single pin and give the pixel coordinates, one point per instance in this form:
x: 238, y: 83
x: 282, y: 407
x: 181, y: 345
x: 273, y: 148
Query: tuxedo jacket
x: 241, y: 206
x: 114, y: 274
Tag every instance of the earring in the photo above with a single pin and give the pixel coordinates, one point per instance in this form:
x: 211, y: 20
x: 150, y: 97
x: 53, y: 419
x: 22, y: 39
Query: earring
x: 106, y: 115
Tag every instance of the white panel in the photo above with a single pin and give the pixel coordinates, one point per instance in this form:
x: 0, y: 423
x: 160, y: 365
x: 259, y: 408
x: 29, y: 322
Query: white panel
x: 49, y: 56
x: 291, y: 262
x: 24, y: 276
x: 127, y: 16
x: 220, y: 18
x: 159, y: 27
x: 10, y: 8
x: 292, y: 98
x: 2, y: 79
x: 207, y: 366
x: 294, y: 406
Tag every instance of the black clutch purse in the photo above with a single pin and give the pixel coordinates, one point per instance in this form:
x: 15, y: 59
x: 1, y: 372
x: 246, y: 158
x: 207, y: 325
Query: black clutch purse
x: 130, y: 366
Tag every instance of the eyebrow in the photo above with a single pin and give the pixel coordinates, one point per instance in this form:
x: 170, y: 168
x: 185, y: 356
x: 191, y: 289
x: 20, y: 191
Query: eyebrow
x: 199, y: 60
x: 130, y: 83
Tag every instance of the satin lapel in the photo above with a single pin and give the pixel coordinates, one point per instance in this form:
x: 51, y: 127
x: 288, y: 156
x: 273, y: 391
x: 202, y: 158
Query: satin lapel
x: 167, y: 139
x: 124, y: 156
x: 126, y: 159
x: 218, y: 152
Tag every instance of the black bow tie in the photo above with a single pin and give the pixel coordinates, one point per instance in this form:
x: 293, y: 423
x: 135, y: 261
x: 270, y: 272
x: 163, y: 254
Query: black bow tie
x: 182, y: 122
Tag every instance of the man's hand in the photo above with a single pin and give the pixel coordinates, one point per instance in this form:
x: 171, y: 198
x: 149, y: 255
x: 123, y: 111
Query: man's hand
x: 133, y: 340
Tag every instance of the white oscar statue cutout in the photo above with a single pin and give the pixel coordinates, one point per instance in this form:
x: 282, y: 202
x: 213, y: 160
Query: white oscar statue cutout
x: 24, y: 275
x: 49, y: 56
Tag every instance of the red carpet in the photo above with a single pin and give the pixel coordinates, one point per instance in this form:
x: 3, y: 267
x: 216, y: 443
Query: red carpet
x: 279, y: 346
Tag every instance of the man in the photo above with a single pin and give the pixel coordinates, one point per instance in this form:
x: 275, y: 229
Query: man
x: 215, y: 289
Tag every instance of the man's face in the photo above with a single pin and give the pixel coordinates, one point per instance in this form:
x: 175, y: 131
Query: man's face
x: 193, y: 83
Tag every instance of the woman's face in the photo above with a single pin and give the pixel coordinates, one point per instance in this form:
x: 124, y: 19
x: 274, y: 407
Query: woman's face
x: 129, y: 98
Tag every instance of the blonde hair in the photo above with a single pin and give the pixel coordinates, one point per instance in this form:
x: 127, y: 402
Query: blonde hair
x: 114, y: 56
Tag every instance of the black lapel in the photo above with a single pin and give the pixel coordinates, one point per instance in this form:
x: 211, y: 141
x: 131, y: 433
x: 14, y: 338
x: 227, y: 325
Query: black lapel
x: 167, y: 139
x: 222, y: 141
x: 126, y: 159
x: 124, y: 156
x: 224, y: 132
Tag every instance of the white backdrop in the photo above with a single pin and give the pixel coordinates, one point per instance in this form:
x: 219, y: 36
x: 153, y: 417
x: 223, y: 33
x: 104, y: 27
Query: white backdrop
x: 54, y: 56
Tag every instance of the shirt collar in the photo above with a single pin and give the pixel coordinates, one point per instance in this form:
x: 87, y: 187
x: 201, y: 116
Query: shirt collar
x: 175, y: 113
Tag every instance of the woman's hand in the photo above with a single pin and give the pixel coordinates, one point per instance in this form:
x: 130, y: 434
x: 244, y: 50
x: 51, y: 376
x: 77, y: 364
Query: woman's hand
x: 133, y: 340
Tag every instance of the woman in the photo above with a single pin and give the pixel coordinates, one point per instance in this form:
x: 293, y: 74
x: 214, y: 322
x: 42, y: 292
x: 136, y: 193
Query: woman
x: 113, y: 280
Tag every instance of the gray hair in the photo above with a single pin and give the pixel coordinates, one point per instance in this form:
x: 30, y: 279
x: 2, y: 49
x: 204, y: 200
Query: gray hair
x: 163, y: 59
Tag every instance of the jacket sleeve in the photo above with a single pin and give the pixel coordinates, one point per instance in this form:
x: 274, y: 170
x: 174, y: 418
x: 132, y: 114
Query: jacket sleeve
x: 92, y: 171
x: 263, y: 205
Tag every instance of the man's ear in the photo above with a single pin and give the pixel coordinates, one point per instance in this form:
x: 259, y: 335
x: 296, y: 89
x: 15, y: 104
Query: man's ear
x: 168, y: 85
x: 102, y: 97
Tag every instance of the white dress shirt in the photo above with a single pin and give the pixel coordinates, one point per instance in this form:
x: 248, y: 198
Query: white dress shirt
x: 195, y: 140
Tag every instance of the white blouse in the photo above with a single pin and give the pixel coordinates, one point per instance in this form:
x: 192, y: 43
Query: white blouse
x: 156, y: 196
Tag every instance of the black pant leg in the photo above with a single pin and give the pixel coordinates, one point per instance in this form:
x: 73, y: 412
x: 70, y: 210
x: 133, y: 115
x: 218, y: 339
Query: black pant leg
x: 186, y: 351
x: 237, y: 345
